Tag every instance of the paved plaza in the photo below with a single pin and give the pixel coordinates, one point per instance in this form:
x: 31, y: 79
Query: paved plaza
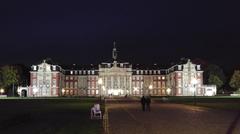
x: 126, y: 117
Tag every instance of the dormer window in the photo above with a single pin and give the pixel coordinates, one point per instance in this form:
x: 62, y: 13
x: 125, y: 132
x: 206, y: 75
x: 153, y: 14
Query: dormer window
x: 54, y: 68
x: 75, y: 72
x: 179, y: 67
x: 34, y: 68
x: 198, y: 67
x: 137, y: 72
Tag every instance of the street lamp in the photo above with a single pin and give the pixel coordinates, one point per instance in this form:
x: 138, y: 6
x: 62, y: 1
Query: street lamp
x: 1, y: 91
x: 135, y: 89
x: 100, y: 82
x: 35, y: 90
x: 63, y: 91
x: 104, y: 90
x: 150, y: 87
x: 194, y: 82
x: 168, y: 91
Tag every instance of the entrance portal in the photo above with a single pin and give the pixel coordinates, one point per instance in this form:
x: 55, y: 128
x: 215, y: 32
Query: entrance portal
x: 24, y: 93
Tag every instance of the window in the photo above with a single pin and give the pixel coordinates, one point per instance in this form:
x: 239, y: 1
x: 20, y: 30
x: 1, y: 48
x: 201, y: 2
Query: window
x: 71, y: 84
x: 198, y: 67
x: 179, y: 67
x: 137, y: 72
x: 71, y: 72
x: 54, y: 68
x: 146, y: 71
x: 163, y: 78
x: 67, y: 84
x: 67, y: 78
x: 34, y: 68
x: 75, y: 84
x: 54, y: 82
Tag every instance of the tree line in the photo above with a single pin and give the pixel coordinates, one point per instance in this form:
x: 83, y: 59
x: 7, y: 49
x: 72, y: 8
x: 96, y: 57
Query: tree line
x: 12, y: 76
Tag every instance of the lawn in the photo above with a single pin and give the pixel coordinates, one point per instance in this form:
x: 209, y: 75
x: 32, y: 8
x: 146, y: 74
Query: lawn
x: 48, y: 116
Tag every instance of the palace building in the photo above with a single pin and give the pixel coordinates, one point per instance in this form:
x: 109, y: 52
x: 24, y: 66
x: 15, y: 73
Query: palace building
x: 116, y: 79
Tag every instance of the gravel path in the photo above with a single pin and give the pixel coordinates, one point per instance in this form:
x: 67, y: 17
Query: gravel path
x: 127, y: 118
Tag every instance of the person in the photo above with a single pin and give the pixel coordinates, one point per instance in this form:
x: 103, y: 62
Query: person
x: 148, y: 102
x: 143, y: 102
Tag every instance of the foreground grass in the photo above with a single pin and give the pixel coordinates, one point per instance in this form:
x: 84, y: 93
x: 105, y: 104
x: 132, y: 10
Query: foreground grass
x: 48, y: 116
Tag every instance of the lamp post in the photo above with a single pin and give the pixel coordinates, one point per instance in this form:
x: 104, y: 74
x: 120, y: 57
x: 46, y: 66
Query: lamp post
x: 150, y: 88
x: 135, y: 89
x: 1, y: 91
x: 100, y: 82
x: 35, y: 90
x: 104, y: 90
x: 168, y: 91
x: 63, y: 92
x: 194, y: 82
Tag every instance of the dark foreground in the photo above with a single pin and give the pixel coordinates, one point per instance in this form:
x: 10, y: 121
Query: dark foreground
x: 48, y: 116
x: 168, y: 118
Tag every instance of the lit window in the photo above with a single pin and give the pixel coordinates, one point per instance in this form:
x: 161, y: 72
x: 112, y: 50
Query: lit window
x: 163, y: 78
x: 154, y: 72
x: 54, y: 68
x: 71, y: 72
x: 179, y: 67
x: 34, y: 68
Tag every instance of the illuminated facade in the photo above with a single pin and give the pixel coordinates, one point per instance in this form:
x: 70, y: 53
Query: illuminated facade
x: 116, y: 79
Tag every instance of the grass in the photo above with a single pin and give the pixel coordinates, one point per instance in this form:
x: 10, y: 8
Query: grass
x: 48, y: 116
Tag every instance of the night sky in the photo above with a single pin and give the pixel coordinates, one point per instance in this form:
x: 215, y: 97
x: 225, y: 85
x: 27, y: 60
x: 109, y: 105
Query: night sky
x: 147, y: 32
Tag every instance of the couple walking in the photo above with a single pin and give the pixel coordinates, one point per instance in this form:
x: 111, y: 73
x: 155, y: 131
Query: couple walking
x: 146, y: 101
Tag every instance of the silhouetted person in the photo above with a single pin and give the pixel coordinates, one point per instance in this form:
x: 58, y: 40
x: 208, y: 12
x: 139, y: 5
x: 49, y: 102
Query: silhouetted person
x: 148, y: 102
x: 143, y: 102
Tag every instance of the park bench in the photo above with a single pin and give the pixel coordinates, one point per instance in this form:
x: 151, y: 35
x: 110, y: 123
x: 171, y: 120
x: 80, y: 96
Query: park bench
x: 96, y: 112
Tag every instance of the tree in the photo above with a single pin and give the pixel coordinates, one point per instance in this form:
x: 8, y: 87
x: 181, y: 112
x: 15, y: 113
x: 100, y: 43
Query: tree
x: 214, y: 71
x: 215, y: 80
x: 9, y: 76
x: 235, y: 80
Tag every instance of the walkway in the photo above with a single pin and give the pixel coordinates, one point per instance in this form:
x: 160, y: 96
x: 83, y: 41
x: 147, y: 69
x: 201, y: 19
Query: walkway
x: 127, y: 118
